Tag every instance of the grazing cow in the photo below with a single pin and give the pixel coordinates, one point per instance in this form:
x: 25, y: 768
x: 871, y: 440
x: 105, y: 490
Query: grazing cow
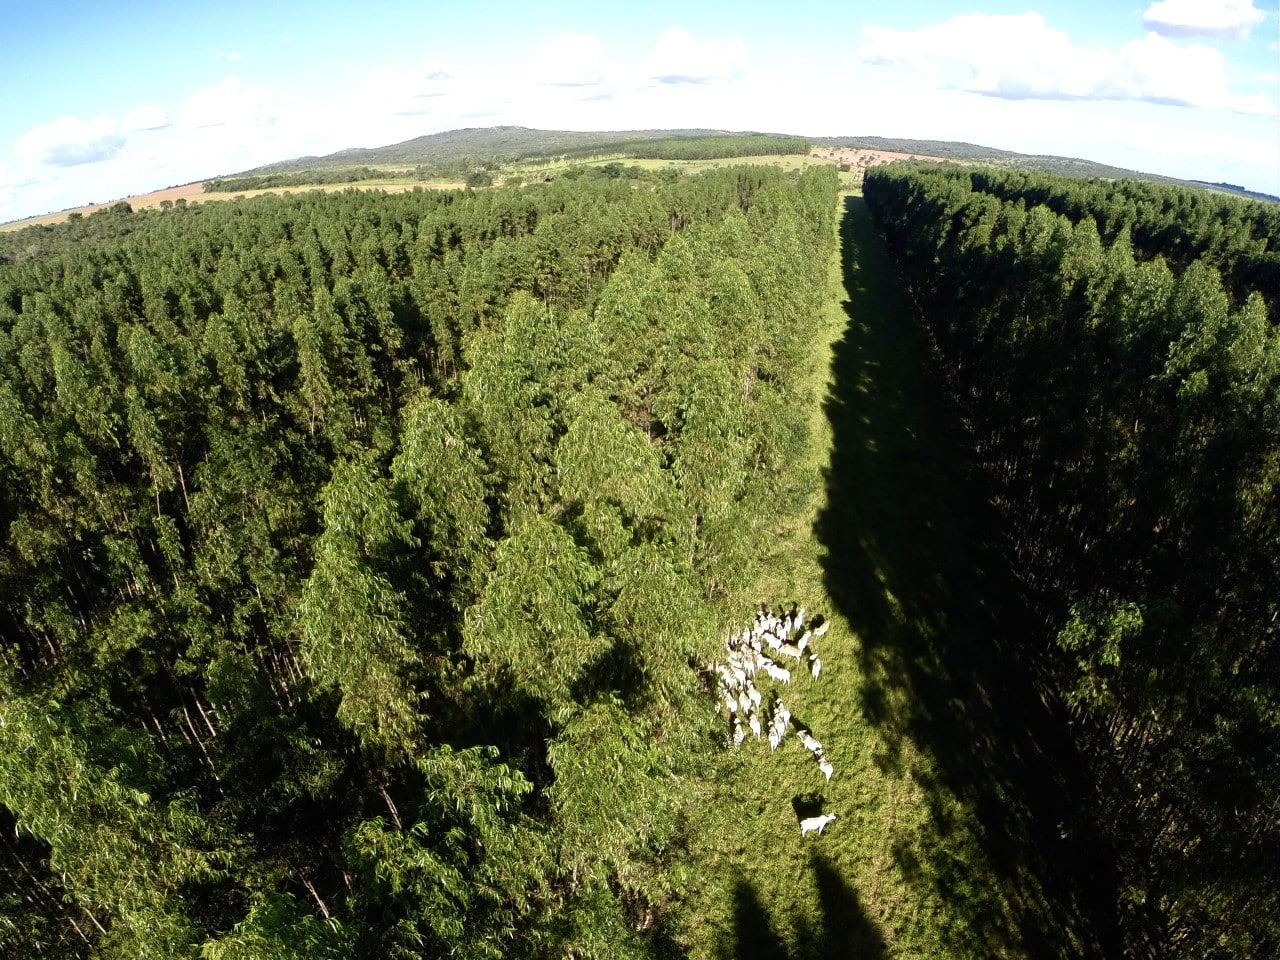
x: 739, y: 734
x: 809, y: 824
x: 781, y: 674
x: 754, y: 722
x: 825, y: 766
x: 826, y: 625
x: 815, y: 665
x: 791, y: 650
x: 810, y: 744
x: 803, y: 642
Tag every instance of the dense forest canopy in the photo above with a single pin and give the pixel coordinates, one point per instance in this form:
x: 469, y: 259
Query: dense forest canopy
x: 1114, y: 349
x: 364, y: 552
x: 360, y: 549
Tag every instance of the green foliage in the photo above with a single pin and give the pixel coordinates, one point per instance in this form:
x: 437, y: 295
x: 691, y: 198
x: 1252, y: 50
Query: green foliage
x: 278, y: 927
x: 351, y: 619
x: 712, y: 148
x: 1124, y: 397
x: 348, y: 533
x: 120, y: 854
x: 304, y: 178
x: 460, y: 876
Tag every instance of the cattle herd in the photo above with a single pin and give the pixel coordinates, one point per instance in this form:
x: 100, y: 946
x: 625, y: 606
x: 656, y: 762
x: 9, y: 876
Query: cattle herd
x: 751, y: 651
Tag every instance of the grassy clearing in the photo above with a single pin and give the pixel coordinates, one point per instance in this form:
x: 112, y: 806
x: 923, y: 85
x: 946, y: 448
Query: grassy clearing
x: 956, y: 834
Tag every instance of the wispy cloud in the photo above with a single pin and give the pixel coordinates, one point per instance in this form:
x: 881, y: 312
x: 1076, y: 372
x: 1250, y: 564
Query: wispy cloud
x: 145, y: 117
x: 1021, y: 58
x: 1222, y: 19
x: 679, y: 58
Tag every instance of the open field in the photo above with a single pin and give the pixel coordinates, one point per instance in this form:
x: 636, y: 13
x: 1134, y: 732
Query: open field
x: 863, y: 159
x: 195, y: 193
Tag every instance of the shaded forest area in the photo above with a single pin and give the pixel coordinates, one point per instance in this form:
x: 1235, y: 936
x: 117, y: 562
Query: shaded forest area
x: 360, y: 549
x: 1111, y: 350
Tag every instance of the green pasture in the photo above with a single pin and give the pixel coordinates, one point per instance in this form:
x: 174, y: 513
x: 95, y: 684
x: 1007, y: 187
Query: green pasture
x: 954, y: 835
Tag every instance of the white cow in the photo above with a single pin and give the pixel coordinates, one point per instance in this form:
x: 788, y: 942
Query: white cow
x: 810, y: 744
x: 815, y: 665
x: 824, y: 765
x: 791, y: 650
x: 809, y: 824
x: 826, y: 625
x: 781, y: 674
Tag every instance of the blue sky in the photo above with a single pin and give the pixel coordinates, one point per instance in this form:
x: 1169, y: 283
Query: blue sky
x: 102, y: 99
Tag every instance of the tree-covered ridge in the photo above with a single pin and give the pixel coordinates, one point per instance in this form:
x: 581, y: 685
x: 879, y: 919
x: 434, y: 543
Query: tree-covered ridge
x: 357, y: 550
x: 714, y: 148
x: 1125, y: 404
x: 267, y: 181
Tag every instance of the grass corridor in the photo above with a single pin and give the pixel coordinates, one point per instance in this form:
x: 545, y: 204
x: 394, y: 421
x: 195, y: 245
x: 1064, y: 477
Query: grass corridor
x: 955, y: 787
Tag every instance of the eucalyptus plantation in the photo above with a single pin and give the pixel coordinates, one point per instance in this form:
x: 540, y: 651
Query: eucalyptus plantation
x: 358, y: 548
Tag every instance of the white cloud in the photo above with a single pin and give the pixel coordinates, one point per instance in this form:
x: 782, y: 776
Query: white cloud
x: 144, y: 117
x: 231, y: 56
x: 1021, y: 58
x: 571, y: 60
x: 678, y: 58
x: 70, y: 141
x: 229, y: 103
x: 412, y: 92
x: 1223, y: 19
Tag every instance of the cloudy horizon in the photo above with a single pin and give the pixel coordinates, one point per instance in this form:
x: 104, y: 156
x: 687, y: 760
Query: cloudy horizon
x: 1183, y: 88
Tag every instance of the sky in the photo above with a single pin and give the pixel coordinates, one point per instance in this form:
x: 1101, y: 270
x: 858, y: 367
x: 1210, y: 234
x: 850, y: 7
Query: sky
x: 100, y: 100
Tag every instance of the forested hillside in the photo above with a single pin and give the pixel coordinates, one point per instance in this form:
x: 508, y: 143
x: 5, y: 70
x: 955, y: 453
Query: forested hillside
x: 1111, y: 348
x: 361, y: 550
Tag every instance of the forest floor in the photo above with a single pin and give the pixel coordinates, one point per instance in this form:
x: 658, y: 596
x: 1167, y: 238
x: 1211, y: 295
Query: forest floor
x: 958, y: 831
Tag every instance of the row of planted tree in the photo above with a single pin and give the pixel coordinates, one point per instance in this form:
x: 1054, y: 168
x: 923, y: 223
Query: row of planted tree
x: 1125, y: 401
x: 358, y: 548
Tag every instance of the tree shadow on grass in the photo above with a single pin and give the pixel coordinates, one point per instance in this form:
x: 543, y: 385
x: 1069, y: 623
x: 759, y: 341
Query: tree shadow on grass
x: 915, y: 562
x: 843, y: 930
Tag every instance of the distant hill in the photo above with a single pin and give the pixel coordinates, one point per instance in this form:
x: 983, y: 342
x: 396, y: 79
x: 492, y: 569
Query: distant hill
x: 1064, y: 166
x: 490, y: 146
x: 483, y: 145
